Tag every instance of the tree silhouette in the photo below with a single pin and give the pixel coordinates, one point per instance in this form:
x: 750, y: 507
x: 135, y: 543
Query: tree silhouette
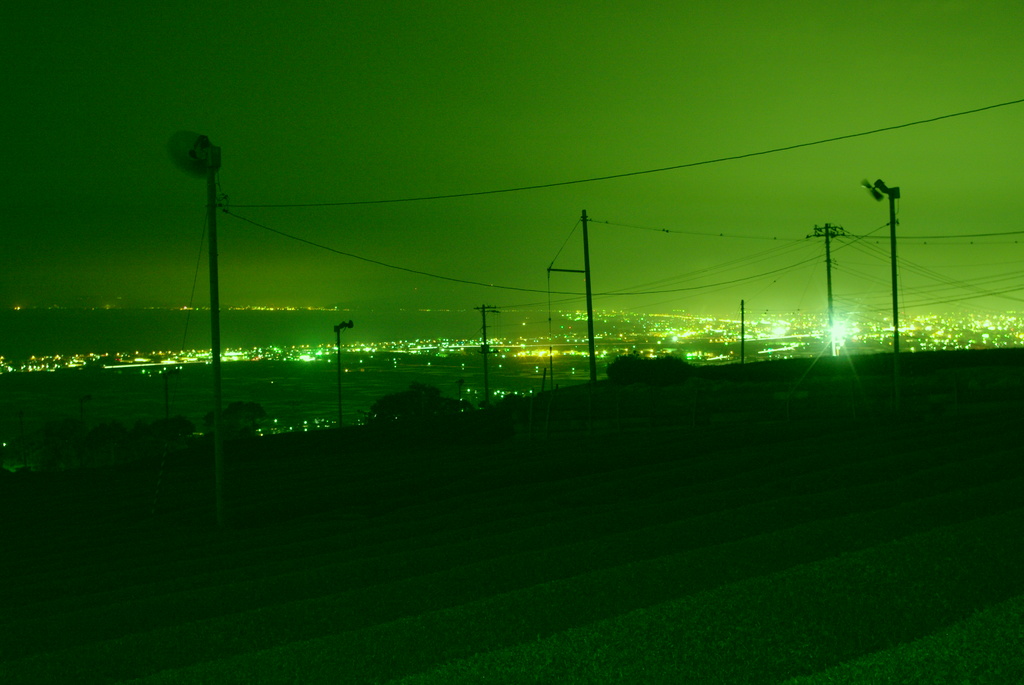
x: 61, y: 446
x: 65, y: 443
x: 419, y: 402
x: 107, y: 443
x: 151, y: 439
x: 240, y: 419
x: 632, y: 368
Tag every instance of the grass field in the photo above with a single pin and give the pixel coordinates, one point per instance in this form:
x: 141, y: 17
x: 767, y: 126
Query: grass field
x: 798, y: 553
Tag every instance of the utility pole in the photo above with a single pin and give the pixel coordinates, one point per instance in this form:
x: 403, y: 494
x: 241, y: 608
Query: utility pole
x: 878, y: 189
x: 211, y: 155
x: 337, y: 334
x: 743, y: 333
x: 590, y: 298
x: 167, y: 391
x: 894, y: 194
x: 828, y: 231
x: 485, y: 349
x: 202, y: 159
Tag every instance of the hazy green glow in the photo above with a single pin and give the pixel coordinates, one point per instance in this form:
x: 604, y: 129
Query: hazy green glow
x: 348, y: 101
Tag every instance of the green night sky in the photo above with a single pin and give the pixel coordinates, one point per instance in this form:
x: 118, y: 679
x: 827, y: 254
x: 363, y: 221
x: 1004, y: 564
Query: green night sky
x: 320, y: 102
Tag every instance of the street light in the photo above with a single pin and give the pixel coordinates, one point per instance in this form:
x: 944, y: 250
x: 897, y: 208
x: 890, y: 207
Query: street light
x: 878, y: 190
x: 337, y: 334
x: 197, y: 156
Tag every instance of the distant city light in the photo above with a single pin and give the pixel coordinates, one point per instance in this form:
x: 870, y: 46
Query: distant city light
x: 699, y: 339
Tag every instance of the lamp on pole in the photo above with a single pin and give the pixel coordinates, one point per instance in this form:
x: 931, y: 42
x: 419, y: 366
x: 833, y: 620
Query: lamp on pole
x: 197, y: 156
x: 879, y: 189
x: 337, y: 333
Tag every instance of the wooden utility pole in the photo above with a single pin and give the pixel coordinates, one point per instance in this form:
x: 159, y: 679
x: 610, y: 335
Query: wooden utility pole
x: 894, y: 194
x: 590, y: 298
x: 337, y: 334
x: 211, y: 155
x: 485, y: 349
x: 203, y: 159
x: 877, y: 190
x: 828, y: 231
x: 743, y: 333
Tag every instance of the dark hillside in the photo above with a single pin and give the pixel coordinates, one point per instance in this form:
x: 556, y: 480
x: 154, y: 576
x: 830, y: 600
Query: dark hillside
x: 933, y: 385
x: 745, y: 553
x: 916, y: 364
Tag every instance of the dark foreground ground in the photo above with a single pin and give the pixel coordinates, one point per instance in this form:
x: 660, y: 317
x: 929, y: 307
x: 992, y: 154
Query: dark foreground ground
x: 851, y: 550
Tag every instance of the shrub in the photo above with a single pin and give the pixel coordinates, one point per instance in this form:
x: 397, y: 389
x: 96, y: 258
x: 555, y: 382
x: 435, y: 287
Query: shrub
x: 240, y: 419
x: 420, y: 402
x: 632, y: 368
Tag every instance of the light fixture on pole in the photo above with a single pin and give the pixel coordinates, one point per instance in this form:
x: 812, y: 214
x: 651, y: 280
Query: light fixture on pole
x: 195, y: 155
x: 878, y: 190
x: 337, y: 333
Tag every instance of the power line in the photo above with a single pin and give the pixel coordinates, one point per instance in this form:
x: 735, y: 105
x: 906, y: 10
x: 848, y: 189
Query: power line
x: 505, y: 287
x: 710, y: 285
x: 995, y: 293
x: 624, y: 291
x: 627, y: 174
x: 732, y: 265
x: 394, y: 266
x: 195, y: 278
x: 945, y: 283
x: 962, y: 235
x: 564, y: 243
x: 700, y: 233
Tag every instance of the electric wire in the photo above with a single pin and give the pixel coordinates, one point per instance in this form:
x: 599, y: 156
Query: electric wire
x: 727, y: 266
x: 728, y: 285
x: 698, y: 233
x: 944, y: 283
x: 931, y: 274
x: 903, y: 237
x: 689, y: 276
x: 673, y: 167
x: 965, y: 235
x: 385, y: 264
x: 195, y: 279
x: 742, y: 279
x: 575, y: 296
x: 564, y: 243
x: 731, y: 265
x: 624, y: 292
x: 964, y: 298
x: 184, y: 342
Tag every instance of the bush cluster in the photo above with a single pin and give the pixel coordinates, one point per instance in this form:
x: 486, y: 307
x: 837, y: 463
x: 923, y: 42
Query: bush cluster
x: 69, y: 443
x: 419, y: 403
x: 632, y: 368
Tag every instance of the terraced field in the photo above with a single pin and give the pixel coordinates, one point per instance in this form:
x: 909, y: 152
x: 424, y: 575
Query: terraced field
x: 785, y: 552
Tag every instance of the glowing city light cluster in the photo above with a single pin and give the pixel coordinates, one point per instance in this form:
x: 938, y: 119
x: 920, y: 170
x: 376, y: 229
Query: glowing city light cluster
x: 698, y: 339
